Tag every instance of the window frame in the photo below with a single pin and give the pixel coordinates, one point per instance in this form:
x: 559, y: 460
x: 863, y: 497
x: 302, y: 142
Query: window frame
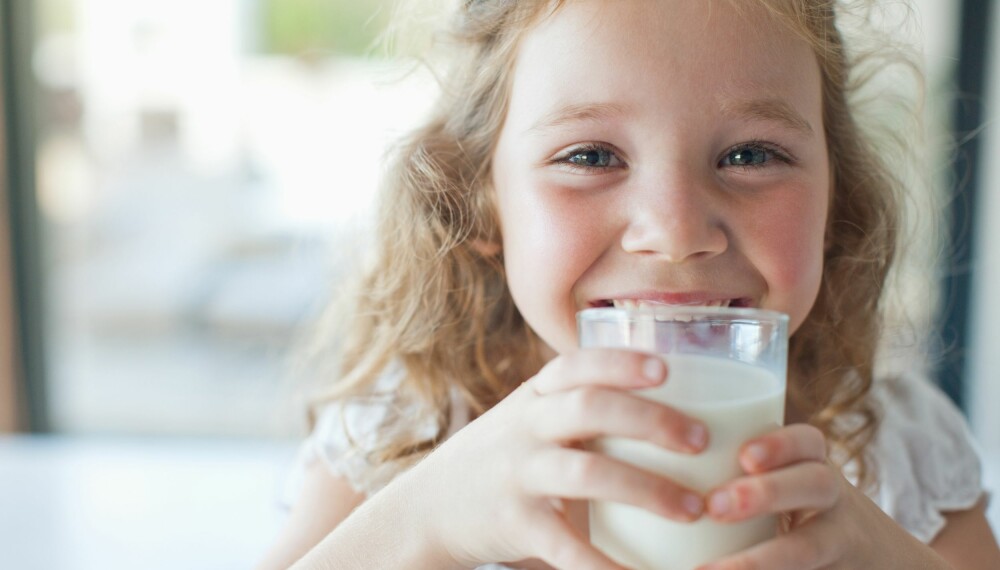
x: 25, y: 389
x: 971, y: 79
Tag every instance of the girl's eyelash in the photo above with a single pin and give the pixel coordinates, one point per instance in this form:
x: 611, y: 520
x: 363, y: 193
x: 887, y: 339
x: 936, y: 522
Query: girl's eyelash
x: 563, y: 159
x: 777, y: 151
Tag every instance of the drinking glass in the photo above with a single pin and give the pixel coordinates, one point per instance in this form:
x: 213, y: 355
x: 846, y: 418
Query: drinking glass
x: 726, y: 367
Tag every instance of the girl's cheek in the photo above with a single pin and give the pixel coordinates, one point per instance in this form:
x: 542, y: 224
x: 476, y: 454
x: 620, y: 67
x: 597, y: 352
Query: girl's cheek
x: 791, y: 261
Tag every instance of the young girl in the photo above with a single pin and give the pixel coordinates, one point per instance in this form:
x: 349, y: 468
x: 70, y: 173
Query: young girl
x: 588, y: 152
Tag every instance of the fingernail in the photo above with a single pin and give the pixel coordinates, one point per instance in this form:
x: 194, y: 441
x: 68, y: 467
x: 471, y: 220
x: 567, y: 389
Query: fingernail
x: 654, y: 369
x: 757, y: 453
x: 719, y: 503
x: 697, y: 436
x: 693, y: 504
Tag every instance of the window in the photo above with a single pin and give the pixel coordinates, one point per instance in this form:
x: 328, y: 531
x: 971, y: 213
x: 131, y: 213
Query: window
x: 203, y: 169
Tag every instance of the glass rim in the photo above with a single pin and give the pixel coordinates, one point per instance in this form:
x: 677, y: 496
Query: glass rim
x: 610, y: 314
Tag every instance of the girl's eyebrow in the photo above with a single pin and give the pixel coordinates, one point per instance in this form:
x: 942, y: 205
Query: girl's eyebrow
x: 756, y: 109
x: 776, y: 110
x: 577, y: 112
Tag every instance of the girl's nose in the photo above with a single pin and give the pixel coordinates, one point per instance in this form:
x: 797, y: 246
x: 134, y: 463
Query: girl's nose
x: 675, y: 224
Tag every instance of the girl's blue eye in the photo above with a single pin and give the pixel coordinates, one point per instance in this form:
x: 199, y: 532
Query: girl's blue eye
x: 595, y: 158
x: 591, y: 159
x: 755, y: 155
x: 748, y: 156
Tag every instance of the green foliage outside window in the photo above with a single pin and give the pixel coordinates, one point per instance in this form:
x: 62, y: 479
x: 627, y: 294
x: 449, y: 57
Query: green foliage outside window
x: 323, y: 27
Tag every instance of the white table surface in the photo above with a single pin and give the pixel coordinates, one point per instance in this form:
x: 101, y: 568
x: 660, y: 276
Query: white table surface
x: 106, y: 503
x: 82, y: 503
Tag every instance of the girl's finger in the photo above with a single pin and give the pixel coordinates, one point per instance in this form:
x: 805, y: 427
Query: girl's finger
x: 577, y: 474
x: 810, y: 485
x: 616, y: 368
x: 561, y: 546
x: 586, y: 413
x: 808, y: 547
x: 786, y: 446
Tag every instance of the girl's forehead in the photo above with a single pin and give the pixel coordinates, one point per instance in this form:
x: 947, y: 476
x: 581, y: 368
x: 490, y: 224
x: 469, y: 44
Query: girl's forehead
x: 661, y: 53
x: 663, y: 23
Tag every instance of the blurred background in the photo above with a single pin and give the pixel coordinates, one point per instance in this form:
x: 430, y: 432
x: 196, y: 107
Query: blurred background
x: 183, y: 185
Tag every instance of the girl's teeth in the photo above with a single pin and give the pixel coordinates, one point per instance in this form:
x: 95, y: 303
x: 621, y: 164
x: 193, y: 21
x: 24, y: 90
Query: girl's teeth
x: 632, y: 304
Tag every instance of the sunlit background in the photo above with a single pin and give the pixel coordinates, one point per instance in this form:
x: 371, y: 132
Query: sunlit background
x: 204, y: 177
x: 200, y: 167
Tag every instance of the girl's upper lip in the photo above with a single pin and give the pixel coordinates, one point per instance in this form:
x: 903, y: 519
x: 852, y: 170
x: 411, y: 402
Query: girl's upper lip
x: 666, y: 298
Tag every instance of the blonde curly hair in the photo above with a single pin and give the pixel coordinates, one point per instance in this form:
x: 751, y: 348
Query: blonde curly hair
x: 433, y: 302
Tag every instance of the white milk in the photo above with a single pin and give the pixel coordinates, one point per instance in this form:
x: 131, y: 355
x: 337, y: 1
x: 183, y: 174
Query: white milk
x: 737, y: 402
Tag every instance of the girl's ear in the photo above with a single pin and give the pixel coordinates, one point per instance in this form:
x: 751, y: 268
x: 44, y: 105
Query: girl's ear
x: 486, y: 248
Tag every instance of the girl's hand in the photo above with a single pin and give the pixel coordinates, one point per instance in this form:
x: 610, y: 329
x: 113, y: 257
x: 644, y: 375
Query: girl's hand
x: 495, y: 490
x: 830, y: 523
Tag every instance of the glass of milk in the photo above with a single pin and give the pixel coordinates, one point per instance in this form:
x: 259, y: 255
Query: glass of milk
x: 727, y: 367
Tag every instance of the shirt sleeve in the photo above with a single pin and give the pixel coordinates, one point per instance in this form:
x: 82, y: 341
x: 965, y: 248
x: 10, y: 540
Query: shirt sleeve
x: 925, y: 457
x: 347, y: 432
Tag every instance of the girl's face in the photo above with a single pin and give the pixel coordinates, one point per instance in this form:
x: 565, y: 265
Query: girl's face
x: 661, y: 151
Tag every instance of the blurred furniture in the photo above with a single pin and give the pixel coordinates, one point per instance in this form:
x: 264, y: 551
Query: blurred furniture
x: 76, y: 503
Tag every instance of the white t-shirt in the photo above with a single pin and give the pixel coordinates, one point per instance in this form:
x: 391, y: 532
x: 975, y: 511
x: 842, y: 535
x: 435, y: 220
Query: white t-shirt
x: 926, y: 462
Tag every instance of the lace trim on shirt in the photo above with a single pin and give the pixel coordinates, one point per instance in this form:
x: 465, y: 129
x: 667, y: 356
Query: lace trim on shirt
x: 346, y: 432
x: 925, y: 458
